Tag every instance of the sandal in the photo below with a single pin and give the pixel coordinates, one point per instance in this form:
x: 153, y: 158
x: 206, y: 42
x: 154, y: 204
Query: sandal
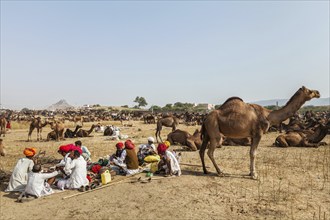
x: 81, y: 189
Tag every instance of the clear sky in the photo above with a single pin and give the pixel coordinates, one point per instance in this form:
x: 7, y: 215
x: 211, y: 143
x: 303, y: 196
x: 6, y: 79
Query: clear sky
x: 109, y: 52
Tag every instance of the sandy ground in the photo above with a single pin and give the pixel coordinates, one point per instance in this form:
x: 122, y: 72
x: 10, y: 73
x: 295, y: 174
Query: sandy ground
x: 293, y: 184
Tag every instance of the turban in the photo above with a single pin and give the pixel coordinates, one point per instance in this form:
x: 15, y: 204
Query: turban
x: 73, y: 148
x: 119, y: 145
x: 167, y: 143
x: 96, y: 168
x: 30, y: 152
x: 151, y: 139
x: 65, y: 148
x: 129, y: 144
x: 161, y: 148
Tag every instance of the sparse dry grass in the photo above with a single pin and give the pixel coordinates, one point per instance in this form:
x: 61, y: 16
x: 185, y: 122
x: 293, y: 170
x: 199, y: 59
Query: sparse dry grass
x: 293, y: 183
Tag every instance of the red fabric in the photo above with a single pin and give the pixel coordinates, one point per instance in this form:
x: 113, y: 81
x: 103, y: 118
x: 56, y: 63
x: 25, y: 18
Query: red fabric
x: 161, y: 148
x: 8, y: 125
x: 89, y: 178
x: 73, y: 148
x: 129, y: 144
x: 96, y: 168
x: 65, y: 148
x: 120, y: 145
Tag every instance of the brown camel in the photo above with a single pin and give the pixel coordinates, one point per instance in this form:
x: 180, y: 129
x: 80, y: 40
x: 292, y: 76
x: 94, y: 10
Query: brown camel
x: 84, y: 133
x: 67, y: 134
x: 71, y: 134
x: 108, y: 131
x: 169, y: 121
x: 236, y: 119
x: 58, y: 127
x: 2, y: 148
x: 78, y: 120
x: 36, y: 123
x: 306, y: 138
x: 3, y: 123
x: 193, y: 142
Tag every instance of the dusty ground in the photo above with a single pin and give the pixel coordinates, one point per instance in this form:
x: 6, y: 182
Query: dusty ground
x: 293, y: 184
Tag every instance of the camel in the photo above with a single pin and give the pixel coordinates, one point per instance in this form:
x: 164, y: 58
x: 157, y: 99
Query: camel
x: 2, y: 148
x: 36, y: 123
x: 108, y: 131
x: 306, y: 138
x: 71, y: 134
x: 78, y: 120
x: 3, y: 123
x: 169, y: 121
x: 237, y: 119
x: 84, y: 133
x: 58, y: 127
x: 193, y: 142
x: 149, y: 119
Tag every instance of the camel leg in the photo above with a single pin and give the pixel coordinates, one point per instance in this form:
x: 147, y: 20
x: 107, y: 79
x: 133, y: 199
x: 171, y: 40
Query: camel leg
x: 40, y: 132
x: 305, y: 143
x: 159, y: 128
x: 202, y: 152
x: 281, y: 142
x: 173, y: 128
x: 29, y: 135
x: 210, y: 153
x: 191, y: 144
x: 253, y: 153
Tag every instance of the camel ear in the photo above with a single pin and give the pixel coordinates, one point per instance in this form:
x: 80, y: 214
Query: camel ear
x: 303, y: 87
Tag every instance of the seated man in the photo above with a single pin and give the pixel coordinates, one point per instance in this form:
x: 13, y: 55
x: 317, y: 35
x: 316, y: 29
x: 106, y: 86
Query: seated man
x: 131, y: 160
x: 18, y: 179
x: 78, y: 177
x: 146, y: 150
x: 64, y: 150
x: 38, y: 183
x: 168, y: 162
x: 86, y: 154
x: 117, y: 160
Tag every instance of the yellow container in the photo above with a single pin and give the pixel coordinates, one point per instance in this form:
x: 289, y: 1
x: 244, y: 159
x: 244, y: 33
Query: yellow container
x: 154, y: 167
x: 106, y: 177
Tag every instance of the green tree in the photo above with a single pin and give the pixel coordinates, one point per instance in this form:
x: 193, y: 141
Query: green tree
x: 141, y: 101
x: 155, y: 108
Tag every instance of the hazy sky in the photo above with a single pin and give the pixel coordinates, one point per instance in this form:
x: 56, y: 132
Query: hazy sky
x: 109, y: 52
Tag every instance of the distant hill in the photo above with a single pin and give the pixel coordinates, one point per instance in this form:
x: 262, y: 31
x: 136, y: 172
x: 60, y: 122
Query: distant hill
x: 60, y: 105
x: 282, y: 102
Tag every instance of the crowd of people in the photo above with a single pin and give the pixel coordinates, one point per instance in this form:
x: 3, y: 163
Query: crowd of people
x: 77, y: 171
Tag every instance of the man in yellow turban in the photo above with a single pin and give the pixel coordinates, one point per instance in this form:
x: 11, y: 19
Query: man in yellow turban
x: 18, y: 179
x: 167, y: 143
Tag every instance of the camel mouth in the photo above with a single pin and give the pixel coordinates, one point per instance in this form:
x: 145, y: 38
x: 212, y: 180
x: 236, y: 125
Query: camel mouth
x: 317, y: 94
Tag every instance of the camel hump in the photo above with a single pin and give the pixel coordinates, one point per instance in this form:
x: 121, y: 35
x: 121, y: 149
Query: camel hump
x: 232, y: 98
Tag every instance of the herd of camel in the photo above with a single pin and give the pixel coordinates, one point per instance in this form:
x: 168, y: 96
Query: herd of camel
x: 234, y: 122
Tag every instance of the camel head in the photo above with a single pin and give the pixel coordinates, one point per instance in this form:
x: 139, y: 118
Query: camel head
x: 196, y: 133
x: 309, y: 94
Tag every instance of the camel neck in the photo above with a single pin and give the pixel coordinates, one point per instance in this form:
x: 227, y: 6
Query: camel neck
x: 291, y: 107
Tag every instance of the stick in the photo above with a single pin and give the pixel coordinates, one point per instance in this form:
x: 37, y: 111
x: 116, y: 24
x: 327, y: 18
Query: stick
x: 193, y: 165
x: 102, y: 187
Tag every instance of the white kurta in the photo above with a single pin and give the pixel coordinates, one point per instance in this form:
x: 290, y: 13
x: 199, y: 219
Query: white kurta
x: 65, y: 162
x: 19, y: 177
x: 78, y: 176
x: 175, y: 166
x: 36, y: 184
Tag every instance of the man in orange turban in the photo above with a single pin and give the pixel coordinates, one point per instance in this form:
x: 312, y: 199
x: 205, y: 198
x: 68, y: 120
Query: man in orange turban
x: 30, y: 152
x: 18, y: 179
